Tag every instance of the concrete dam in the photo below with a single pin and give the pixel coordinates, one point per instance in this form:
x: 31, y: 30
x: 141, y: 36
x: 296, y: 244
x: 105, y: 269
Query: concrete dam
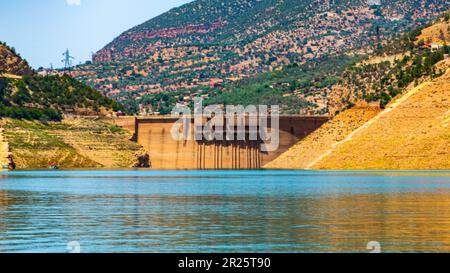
x: 155, y: 135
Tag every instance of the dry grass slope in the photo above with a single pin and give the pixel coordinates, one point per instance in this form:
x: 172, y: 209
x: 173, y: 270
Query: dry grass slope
x: 71, y: 144
x: 308, y: 150
x: 108, y: 145
x: 412, y: 134
x: 437, y: 33
x: 5, y: 154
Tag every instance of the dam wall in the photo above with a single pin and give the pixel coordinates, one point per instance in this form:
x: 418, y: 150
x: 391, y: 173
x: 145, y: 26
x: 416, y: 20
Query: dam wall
x: 155, y: 135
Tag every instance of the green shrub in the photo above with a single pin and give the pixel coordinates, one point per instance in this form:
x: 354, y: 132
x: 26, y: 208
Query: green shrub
x: 48, y: 114
x: 51, y: 95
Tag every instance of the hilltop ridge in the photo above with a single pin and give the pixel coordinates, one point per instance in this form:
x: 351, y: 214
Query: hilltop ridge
x: 26, y: 94
x: 11, y: 63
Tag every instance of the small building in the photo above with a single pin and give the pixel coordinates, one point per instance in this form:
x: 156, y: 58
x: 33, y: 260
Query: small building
x: 435, y: 47
x: 216, y: 83
x: 431, y: 46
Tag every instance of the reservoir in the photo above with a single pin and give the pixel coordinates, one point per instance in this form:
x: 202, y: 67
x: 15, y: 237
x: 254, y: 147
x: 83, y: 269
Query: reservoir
x: 224, y: 211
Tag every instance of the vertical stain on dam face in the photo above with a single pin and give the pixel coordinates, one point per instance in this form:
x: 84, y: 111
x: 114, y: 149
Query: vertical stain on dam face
x: 154, y: 134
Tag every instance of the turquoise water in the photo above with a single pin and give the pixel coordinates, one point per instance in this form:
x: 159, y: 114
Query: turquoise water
x: 224, y: 211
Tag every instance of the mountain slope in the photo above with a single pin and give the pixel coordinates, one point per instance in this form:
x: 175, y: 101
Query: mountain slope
x: 319, y: 142
x: 215, y: 43
x: 413, y: 133
x: 25, y: 94
x: 405, y: 60
x: 11, y: 63
x: 410, y: 133
x: 211, y: 22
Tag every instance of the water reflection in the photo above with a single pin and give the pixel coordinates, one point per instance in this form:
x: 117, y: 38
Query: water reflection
x: 247, y: 213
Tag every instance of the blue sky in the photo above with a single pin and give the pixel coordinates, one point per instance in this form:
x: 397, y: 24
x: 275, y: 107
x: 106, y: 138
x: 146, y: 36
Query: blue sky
x: 41, y: 30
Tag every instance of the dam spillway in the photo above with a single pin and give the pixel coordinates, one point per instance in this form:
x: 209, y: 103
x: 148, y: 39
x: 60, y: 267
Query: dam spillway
x: 166, y: 153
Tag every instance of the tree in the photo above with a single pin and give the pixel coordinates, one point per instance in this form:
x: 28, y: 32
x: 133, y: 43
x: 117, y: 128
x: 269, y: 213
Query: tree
x: 2, y: 87
x: 22, y: 95
x: 447, y: 17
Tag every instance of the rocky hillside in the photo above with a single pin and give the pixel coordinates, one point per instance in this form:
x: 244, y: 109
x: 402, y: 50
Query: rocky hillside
x: 208, y: 44
x: 413, y: 133
x: 11, y: 63
x: 408, y: 131
x: 206, y: 22
x: 405, y: 60
x: 25, y: 94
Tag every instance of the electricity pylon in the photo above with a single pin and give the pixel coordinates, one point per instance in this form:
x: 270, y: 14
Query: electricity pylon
x: 67, y: 60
